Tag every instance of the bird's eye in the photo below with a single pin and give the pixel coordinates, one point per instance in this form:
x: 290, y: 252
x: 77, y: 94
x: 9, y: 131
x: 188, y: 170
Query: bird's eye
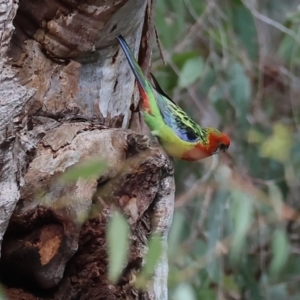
x: 223, y: 147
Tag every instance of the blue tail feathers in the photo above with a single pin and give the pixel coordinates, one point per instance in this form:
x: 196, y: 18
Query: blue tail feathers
x: 136, y: 69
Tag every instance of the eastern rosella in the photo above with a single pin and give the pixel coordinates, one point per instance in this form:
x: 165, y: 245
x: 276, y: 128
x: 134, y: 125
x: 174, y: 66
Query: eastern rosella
x: 178, y: 134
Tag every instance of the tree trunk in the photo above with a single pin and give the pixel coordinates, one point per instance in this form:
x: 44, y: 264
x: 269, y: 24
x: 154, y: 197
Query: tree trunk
x: 67, y: 95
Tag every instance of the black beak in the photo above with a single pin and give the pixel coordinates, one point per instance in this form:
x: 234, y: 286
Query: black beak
x: 223, y: 147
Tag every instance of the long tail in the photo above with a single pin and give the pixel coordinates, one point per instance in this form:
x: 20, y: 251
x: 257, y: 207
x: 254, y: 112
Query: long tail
x: 136, y: 69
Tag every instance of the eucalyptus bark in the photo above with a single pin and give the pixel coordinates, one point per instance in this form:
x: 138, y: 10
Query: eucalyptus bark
x: 67, y: 95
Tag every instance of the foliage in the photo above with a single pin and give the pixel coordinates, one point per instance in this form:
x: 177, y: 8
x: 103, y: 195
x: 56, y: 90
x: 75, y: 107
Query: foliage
x: 118, y: 245
x: 235, y: 66
x: 87, y: 169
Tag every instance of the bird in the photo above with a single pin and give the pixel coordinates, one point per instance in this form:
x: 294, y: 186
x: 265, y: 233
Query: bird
x: 179, y: 135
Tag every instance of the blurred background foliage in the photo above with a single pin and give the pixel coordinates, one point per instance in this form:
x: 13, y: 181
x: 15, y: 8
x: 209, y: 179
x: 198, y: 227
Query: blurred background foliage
x: 235, y: 65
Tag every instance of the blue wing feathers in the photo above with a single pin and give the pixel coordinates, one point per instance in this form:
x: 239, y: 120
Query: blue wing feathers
x: 177, y: 119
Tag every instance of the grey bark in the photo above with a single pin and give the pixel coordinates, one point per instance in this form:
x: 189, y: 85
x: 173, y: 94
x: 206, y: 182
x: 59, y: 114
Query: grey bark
x: 67, y: 95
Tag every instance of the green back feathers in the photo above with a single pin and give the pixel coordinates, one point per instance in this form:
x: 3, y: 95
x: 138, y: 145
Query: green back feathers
x: 163, y: 112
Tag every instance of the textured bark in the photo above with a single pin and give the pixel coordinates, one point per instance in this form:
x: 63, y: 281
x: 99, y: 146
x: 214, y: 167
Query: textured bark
x: 66, y: 92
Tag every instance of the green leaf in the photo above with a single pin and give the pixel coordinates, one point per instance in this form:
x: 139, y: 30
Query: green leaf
x: 242, y: 216
x: 208, y: 80
x: 191, y: 71
x: 153, y: 255
x: 181, y: 58
x: 286, y: 47
x: 184, y: 291
x: 289, y: 49
x: 240, y: 90
x: 92, y: 168
x: 175, y: 233
x: 206, y: 293
x: 280, y: 247
x: 215, y: 227
x: 244, y: 26
x: 176, y: 22
x: 278, y: 145
x: 118, y: 244
x: 230, y: 284
x: 255, y: 137
x: 292, y: 166
x: 240, y: 85
x: 278, y: 292
x: 276, y: 198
